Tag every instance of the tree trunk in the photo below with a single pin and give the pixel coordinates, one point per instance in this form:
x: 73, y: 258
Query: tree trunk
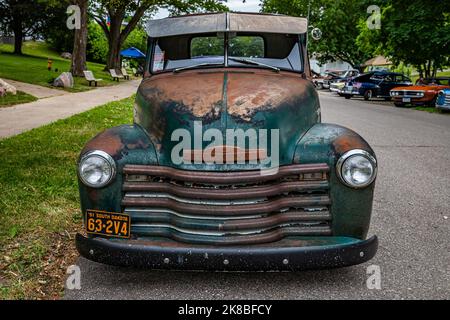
x: 18, y: 36
x: 114, y: 53
x: 80, y: 42
x: 115, y: 41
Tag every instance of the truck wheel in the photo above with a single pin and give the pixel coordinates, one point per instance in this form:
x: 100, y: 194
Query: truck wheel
x: 348, y: 96
x: 319, y: 86
x: 368, y: 95
x: 399, y: 104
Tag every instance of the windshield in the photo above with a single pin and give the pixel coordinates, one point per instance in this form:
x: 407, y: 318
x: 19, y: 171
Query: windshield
x: 268, y: 51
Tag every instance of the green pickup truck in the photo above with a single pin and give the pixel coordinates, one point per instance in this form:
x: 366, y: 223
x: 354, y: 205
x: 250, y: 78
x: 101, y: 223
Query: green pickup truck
x: 227, y: 165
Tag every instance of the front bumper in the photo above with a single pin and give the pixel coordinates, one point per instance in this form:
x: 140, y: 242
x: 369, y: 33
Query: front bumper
x: 444, y: 107
x: 412, y: 101
x: 285, y: 255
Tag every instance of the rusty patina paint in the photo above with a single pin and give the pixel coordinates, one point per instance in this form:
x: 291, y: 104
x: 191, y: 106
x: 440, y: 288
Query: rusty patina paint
x: 241, y: 193
x: 114, y: 142
x: 205, y: 210
x: 224, y: 177
x: 261, y: 91
x: 199, y: 93
x: 226, y: 98
x: 108, y: 142
x: 349, y: 140
x: 351, y: 208
x: 252, y: 239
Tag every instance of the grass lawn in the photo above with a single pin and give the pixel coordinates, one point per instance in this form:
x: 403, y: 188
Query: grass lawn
x: 20, y: 97
x: 39, y: 202
x: 439, y: 74
x: 32, y: 66
x: 430, y: 110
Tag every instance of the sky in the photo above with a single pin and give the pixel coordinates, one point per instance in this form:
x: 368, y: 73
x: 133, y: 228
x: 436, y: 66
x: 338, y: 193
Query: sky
x: 234, y: 5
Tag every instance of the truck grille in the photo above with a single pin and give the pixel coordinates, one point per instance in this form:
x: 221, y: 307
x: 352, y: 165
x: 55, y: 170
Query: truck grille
x: 447, y: 99
x: 227, y: 208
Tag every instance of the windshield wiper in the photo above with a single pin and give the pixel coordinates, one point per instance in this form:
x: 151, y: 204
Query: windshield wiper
x: 198, y: 65
x: 249, y: 61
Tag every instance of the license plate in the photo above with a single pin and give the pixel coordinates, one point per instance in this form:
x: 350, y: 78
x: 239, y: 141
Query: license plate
x: 406, y: 99
x: 108, y: 224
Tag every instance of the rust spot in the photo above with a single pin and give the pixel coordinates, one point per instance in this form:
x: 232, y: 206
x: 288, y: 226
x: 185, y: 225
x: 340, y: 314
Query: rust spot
x: 349, y: 141
x: 263, y: 90
x: 199, y: 93
x: 106, y: 141
x: 92, y: 194
x: 137, y: 145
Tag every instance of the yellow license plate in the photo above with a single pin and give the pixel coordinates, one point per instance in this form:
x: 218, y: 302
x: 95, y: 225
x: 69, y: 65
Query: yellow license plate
x: 108, y: 224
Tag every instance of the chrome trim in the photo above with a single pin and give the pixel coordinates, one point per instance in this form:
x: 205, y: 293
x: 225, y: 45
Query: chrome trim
x: 109, y: 160
x: 193, y: 201
x: 131, y: 210
x: 420, y: 93
x: 312, y: 225
x: 350, y: 154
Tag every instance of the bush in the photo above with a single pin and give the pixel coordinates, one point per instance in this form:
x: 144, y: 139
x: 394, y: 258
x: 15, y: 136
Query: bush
x: 97, y: 44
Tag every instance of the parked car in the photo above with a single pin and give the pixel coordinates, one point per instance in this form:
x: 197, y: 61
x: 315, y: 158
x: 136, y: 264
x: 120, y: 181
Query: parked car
x: 375, y: 84
x: 443, y: 100
x: 283, y: 191
x: 339, y: 76
x: 337, y: 85
x: 425, y: 92
x: 323, y: 81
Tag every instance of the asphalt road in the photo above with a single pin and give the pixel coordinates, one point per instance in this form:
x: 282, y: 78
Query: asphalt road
x: 411, y: 217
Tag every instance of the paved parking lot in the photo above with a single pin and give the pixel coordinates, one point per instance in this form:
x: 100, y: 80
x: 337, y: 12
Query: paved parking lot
x: 411, y: 217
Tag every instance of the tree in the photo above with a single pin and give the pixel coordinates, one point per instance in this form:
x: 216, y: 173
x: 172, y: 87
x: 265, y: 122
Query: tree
x: 22, y: 18
x: 337, y: 19
x: 54, y: 30
x: 80, y: 41
x: 416, y: 32
x: 131, y: 12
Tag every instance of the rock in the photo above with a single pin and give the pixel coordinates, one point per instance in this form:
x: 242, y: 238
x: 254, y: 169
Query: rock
x: 66, y: 55
x: 8, y: 88
x: 65, y: 80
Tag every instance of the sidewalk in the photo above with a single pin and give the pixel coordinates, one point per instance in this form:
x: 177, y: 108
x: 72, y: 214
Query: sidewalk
x: 35, y: 90
x: 24, y: 117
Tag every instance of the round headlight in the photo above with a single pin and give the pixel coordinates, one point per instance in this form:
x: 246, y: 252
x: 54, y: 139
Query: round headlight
x: 96, y: 169
x: 357, y: 168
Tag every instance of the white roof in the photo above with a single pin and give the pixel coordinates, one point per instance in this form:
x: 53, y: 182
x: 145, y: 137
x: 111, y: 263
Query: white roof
x: 226, y: 22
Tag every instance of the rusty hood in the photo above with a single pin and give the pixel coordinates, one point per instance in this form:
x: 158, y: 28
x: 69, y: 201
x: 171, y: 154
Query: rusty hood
x: 225, y: 99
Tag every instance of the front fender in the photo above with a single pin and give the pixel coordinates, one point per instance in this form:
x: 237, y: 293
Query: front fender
x: 351, y: 208
x: 125, y: 144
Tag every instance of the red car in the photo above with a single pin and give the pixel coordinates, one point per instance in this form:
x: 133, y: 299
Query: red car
x: 424, y: 93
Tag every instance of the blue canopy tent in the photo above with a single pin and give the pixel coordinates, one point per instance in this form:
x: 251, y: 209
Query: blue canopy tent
x: 132, y: 53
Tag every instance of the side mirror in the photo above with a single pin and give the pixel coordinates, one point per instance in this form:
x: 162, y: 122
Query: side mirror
x: 316, y: 34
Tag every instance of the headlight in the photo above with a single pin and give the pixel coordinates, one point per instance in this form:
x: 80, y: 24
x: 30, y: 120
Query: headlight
x: 96, y: 169
x: 357, y: 168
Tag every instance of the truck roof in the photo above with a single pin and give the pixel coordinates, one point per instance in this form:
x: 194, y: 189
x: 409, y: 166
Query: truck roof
x: 226, y: 22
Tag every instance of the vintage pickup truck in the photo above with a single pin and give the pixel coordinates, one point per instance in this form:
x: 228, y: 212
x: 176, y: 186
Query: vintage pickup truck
x: 227, y: 165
